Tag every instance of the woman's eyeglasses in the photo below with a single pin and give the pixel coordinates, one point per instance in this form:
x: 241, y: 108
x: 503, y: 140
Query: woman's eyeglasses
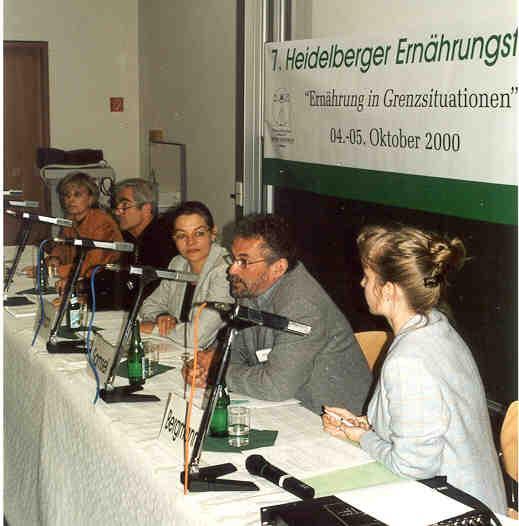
x: 241, y: 262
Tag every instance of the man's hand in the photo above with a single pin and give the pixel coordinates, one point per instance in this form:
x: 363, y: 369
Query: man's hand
x: 29, y: 271
x: 147, y: 327
x: 60, y: 286
x: 165, y: 323
x: 204, y: 362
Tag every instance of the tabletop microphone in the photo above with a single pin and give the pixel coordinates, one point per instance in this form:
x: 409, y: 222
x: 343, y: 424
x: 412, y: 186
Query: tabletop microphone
x: 118, y: 246
x: 259, y: 466
x: 40, y: 219
x: 172, y: 275
x: 258, y: 317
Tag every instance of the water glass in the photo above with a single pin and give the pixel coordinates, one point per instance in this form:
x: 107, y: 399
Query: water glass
x: 151, y: 358
x: 238, y: 425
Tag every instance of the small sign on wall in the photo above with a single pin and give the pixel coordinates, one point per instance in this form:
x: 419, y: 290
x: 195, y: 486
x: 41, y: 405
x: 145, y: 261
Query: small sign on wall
x: 116, y: 104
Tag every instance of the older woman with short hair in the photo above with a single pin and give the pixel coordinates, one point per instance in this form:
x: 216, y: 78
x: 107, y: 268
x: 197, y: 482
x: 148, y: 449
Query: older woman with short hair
x: 428, y: 415
x: 79, y: 196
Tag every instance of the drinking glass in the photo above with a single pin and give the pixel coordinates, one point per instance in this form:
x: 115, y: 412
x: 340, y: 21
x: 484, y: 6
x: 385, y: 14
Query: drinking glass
x: 238, y: 425
x: 151, y: 358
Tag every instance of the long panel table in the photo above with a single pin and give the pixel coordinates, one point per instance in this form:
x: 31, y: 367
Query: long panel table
x: 70, y: 462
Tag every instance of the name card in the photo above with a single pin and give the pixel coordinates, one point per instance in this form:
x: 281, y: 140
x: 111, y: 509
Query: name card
x: 173, y: 428
x: 103, y: 356
x: 49, y: 314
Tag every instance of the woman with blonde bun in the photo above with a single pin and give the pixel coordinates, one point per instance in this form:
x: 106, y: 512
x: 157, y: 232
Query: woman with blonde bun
x: 428, y: 415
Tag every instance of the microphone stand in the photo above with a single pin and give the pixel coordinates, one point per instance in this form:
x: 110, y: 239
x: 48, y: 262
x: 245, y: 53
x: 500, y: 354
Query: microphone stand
x: 71, y: 347
x: 126, y: 393
x: 21, y: 241
x: 207, y: 478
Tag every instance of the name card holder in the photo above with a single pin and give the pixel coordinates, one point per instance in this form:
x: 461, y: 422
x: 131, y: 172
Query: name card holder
x: 173, y: 428
x: 106, y: 358
x: 103, y: 356
x: 46, y: 318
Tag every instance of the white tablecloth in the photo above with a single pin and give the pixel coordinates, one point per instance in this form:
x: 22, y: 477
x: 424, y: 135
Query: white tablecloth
x: 71, y: 463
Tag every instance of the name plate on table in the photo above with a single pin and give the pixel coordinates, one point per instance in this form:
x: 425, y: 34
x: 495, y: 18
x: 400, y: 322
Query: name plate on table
x: 173, y: 428
x: 103, y: 356
x: 46, y: 319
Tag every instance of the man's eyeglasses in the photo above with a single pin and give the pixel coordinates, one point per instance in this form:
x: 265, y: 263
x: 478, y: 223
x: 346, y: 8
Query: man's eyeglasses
x: 122, y: 207
x: 197, y: 234
x: 241, y: 262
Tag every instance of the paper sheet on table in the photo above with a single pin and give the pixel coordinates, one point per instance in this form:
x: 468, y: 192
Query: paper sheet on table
x: 406, y: 503
x: 362, y: 476
x: 22, y: 311
x: 254, y: 403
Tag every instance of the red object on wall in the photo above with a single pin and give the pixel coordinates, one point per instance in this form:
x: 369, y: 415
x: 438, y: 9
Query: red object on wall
x: 116, y: 104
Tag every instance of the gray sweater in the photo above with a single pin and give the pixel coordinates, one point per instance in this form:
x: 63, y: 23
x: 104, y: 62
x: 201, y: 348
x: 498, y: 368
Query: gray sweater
x: 326, y: 367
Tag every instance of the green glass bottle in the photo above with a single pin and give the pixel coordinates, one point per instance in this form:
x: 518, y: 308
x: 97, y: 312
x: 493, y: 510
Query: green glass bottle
x: 218, y: 426
x: 135, y: 359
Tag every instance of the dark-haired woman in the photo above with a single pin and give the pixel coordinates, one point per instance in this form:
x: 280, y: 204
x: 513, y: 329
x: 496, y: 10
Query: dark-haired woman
x: 172, y: 305
x: 428, y: 415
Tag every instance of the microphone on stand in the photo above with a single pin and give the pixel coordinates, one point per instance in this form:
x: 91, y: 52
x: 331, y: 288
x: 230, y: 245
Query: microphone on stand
x: 259, y: 466
x: 26, y: 204
x: 13, y: 193
x: 23, y: 236
x: 84, y: 245
x: 258, y: 317
x: 156, y: 273
x: 118, y: 246
x: 36, y: 218
x: 146, y: 274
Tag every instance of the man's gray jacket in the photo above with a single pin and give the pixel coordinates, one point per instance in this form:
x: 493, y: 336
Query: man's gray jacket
x: 326, y: 367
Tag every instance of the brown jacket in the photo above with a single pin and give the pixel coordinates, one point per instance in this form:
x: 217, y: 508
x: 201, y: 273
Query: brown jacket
x: 97, y: 225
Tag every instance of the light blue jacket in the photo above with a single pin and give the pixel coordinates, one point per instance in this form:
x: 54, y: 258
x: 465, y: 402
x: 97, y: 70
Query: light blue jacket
x: 429, y: 413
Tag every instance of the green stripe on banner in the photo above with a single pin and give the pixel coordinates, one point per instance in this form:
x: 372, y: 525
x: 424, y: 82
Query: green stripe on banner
x: 495, y: 203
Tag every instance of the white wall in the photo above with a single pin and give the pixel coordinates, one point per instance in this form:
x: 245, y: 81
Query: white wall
x: 93, y: 55
x: 187, y: 63
x: 342, y: 17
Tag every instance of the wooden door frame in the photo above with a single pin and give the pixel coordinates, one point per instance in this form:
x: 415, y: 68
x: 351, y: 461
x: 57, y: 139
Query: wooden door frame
x: 41, y: 127
x: 44, y: 53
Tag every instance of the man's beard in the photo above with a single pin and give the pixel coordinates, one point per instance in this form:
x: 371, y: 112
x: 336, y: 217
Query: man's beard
x: 240, y: 289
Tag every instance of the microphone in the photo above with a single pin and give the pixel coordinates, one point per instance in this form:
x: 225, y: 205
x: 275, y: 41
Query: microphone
x: 259, y: 466
x: 172, y: 275
x: 118, y: 246
x: 40, y: 219
x: 26, y: 204
x: 13, y: 193
x: 258, y: 317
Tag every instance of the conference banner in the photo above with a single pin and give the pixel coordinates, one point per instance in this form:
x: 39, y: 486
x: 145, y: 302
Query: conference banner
x: 424, y: 118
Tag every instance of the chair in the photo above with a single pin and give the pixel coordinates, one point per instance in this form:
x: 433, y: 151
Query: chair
x: 372, y: 344
x: 508, y: 443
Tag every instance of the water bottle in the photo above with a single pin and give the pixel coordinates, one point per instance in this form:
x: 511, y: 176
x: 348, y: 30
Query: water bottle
x: 135, y: 359
x: 218, y: 426
x: 74, y: 312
